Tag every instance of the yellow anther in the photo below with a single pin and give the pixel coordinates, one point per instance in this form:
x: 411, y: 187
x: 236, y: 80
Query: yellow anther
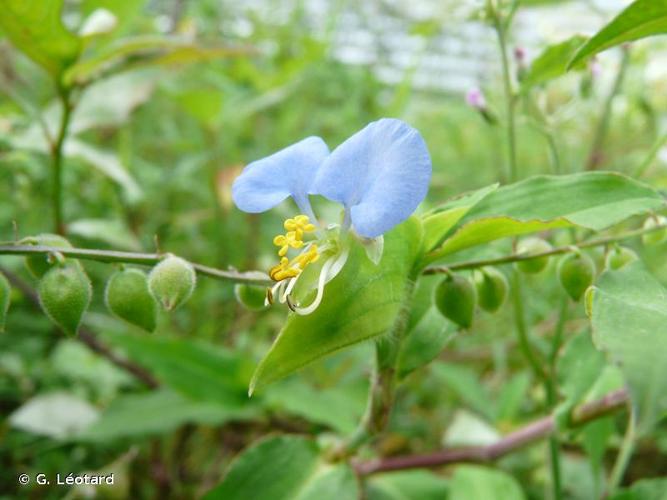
x: 284, y: 270
x: 299, y: 224
x: 307, y: 257
x: 285, y: 241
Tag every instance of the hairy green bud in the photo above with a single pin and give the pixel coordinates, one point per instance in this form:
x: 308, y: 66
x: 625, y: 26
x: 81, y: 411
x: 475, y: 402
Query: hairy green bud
x: 250, y: 297
x: 576, y: 272
x: 619, y: 257
x: 455, y: 299
x: 172, y: 281
x: 492, y: 288
x: 532, y: 246
x: 65, y: 293
x: 5, y: 292
x: 38, y: 265
x: 127, y: 296
x: 658, y: 236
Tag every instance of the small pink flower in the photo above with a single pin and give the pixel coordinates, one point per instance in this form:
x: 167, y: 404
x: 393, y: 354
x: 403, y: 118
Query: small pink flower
x: 475, y: 98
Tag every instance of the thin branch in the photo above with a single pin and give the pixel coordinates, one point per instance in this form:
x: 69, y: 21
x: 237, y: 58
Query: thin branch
x: 518, y: 439
x: 89, y: 338
x: 147, y: 259
x: 475, y: 264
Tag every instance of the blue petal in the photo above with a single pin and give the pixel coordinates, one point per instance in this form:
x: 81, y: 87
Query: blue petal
x: 289, y: 172
x: 380, y: 175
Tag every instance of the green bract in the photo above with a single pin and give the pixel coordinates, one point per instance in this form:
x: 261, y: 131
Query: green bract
x: 532, y: 246
x: 128, y: 297
x: 172, y: 281
x: 619, y: 257
x: 64, y: 293
x: 576, y: 273
x: 657, y: 236
x: 492, y: 288
x: 455, y: 299
x: 250, y: 297
x: 38, y: 265
x: 5, y: 291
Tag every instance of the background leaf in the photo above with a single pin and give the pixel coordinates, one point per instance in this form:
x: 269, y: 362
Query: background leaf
x: 361, y: 303
x: 551, y: 63
x: 284, y: 468
x: 472, y: 481
x: 35, y: 27
x: 641, y: 19
x: 594, y: 200
x: 630, y: 325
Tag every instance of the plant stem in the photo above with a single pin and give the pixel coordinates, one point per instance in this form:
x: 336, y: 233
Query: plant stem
x: 57, y: 161
x: 595, y: 157
x: 650, y: 157
x: 624, y: 454
x: 249, y: 277
x: 383, y: 382
x: 501, y: 33
x: 517, y: 440
x: 508, y: 259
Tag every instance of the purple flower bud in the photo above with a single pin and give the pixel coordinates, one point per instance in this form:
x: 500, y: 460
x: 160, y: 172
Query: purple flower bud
x: 475, y: 99
x: 520, y: 55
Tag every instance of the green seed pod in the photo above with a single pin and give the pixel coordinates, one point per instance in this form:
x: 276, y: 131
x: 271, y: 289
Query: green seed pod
x: 455, y: 299
x: 172, y: 282
x: 5, y: 291
x: 38, y: 265
x: 127, y: 296
x: 654, y: 237
x: 532, y: 246
x: 65, y: 294
x: 250, y: 297
x: 588, y: 301
x: 619, y: 257
x: 576, y: 273
x: 492, y: 288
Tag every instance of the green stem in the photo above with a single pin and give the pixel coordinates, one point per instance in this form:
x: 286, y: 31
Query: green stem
x: 501, y: 33
x: 650, y: 157
x: 508, y: 259
x: 595, y: 155
x: 551, y: 389
x: 383, y: 382
x: 57, y: 161
x: 624, y: 454
x: 147, y: 259
x: 522, y: 331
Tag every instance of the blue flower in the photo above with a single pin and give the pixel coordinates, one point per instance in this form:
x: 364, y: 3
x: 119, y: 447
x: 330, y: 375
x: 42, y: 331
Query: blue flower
x: 265, y: 183
x: 379, y: 175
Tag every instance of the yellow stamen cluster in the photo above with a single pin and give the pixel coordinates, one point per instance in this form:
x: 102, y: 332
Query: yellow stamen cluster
x: 293, y: 238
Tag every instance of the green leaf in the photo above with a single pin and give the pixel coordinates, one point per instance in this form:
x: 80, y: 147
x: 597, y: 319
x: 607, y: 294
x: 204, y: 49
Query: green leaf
x: 473, y: 481
x: 593, y: 200
x: 361, y: 303
x: 196, y: 369
x: 284, y: 468
x: 465, y: 383
x: 641, y: 19
x: 339, y: 407
x: 110, y: 231
x: 35, y: 28
x: 551, y: 63
x: 644, y: 489
x: 444, y: 218
x: 579, y: 367
x: 158, y: 412
x: 407, y: 485
x: 141, y: 51
x: 630, y: 325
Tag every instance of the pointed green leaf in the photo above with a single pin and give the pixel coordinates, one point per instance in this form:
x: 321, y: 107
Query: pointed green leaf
x: 284, y: 468
x: 438, y: 223
x: 35, y: 28
x: 630, y: 325
x: 594, y: 200
x: 551, y: 63
x: 361, y: 303
x: 641, y: 19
